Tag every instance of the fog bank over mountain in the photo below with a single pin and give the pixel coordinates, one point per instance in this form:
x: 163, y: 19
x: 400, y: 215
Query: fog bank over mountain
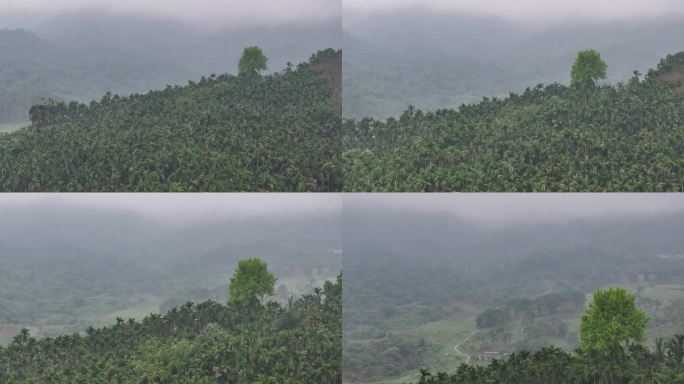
x: 396, y: 57
x: 200, y: 13
x: 533, y: 12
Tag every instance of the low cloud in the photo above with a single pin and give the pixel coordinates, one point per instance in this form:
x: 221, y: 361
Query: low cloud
x: 193, y: 11
x: 520, y: 208
x: 540, y: 11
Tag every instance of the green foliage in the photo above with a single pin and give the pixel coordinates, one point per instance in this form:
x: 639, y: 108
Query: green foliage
x: 548, y: 139
x: 671, y: 62
x: 635, y: 364
x: 81, y: 56
x: 612, y: 320
x: 539, y: 274
x: 324, y: 55
x: 251, y: 281
x: 439, y: 60
x: 252, y: 62
x: 203, y: 343
x: 64, y: 267
x: 390, y: 356
x: 224, y: 133
x: 588, y: 69
x: 491, y: 317
x: 610, y: 353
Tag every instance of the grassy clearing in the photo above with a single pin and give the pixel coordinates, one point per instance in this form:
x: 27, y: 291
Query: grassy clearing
x: 664, y: 293
x: 443, y: 335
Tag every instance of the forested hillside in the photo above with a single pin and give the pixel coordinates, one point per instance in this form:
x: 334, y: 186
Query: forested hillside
x: 277, y: 132
x: 662, y: 363
x: 82, y: 55
x: 431, y: 59
x: 624, y: 137
x: 64, y: 268
x: 611, y: 351
x: 208, y: 342
x: 492, y: 288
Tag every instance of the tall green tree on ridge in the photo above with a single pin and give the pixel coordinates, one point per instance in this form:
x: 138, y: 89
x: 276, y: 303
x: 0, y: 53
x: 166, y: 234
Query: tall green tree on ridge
x: 251, y: 281
x: 588, y: 69
x: 252, y: 62
x: 612, y: 320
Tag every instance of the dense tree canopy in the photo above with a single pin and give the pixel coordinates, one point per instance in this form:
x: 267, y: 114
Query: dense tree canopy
x: 202, y: 343
x: 612, y: 319
x: 225, y: 133
x: 588, y: 69
x: 252, y: 62
x: 251, y: 281
x: 633, y: 364
x: 628, y: 137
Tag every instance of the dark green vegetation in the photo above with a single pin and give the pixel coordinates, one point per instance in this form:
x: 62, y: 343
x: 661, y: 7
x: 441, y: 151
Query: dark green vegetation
x: 196, y: 343
x: 64, y: 268
x: 488, y: 290
x: 611, y: 352
x: 436, y: 60
x: 627, y: 137
x: 634, y: 364
x: 83, y: 55
x: 279, y: 132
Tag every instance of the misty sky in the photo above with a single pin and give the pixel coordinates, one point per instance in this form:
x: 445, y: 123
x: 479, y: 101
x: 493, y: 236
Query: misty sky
x: 180, y: 207
x: 524, y: 207
x: 530, y: 10
x: 226, y: 12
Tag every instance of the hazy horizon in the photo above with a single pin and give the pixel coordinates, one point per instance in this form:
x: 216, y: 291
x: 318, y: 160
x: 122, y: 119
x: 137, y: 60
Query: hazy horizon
x: 179, y: 208
x: 212, y: 14
x: 528, y: 11
x: 506, y: 208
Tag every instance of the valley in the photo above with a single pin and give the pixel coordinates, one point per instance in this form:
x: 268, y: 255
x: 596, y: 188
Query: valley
x: 468, y: 290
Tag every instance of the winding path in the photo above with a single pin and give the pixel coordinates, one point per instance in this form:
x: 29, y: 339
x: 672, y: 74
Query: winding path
x: 467, y: 356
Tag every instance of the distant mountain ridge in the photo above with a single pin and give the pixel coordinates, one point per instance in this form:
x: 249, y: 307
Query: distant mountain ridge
x: 81, y: 56
x: 279, y: 132
x: 440, y: 60
x: 549, y: 138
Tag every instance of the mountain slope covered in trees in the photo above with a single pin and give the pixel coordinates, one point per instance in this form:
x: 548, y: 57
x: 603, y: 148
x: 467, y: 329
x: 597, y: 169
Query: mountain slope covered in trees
x: 612, y: 351
x: 82, y: 55
x: 635, y: 363
x: 196, y: 343
x: 432, y: 59
x: 627, y: 137
x: 64, y: 268
x: 276, y: 132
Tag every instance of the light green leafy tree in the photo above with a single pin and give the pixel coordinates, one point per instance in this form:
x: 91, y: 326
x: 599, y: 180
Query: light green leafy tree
x: 251, y: 281
x: 252, y: 62
x: 611, y: 320
x: 588, y: 69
